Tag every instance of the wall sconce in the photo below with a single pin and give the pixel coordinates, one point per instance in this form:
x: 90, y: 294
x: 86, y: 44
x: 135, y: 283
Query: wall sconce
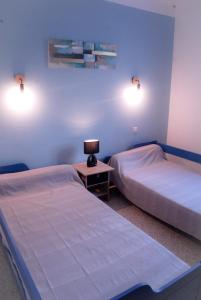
x: 20, y: 80
x: 18, y: 98
x: 133, y: 93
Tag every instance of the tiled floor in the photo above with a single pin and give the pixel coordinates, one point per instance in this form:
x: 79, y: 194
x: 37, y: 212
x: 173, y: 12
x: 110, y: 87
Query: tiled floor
x: 118, y: 201
x: 183, y: 245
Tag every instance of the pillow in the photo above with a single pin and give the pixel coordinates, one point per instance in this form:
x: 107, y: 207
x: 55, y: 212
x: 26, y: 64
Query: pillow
x: 37, y: 180
x: 137, y: 157
x: 145, y: 144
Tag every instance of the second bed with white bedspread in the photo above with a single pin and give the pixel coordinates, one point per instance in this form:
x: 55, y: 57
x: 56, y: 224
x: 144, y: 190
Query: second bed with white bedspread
x: 167, y: 190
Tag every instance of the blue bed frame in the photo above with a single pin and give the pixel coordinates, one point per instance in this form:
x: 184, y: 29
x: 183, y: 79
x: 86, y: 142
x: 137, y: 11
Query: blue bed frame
x: 185, y: 287
x: 23, y: 271
x: 20, y: 167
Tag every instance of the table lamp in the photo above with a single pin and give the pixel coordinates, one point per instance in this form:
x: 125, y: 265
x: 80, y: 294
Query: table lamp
x: 91, y: 147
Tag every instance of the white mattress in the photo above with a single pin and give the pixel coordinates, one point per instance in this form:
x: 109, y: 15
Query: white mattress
x: 165, y: 189
x: 75, y: 246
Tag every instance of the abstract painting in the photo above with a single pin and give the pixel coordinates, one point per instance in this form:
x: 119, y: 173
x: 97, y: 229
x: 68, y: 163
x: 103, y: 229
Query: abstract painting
x: 79, y: 54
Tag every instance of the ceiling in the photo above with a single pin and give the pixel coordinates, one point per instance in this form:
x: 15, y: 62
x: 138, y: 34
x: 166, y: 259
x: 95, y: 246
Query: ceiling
x: 164, y: 7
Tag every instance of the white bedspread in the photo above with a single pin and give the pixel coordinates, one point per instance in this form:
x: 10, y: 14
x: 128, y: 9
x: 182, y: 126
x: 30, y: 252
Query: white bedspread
x: 74, y: 245
x: 165, y: 189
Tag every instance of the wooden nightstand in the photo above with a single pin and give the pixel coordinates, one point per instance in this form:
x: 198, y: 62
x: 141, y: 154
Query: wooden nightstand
x: 95, y: 179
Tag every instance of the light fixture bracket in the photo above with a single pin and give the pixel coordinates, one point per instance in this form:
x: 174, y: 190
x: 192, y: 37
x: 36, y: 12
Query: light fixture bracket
x: 20, y: 80
x: 136, y: 81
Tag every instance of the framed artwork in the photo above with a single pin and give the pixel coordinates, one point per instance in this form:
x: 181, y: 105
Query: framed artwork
x: 79, y: 54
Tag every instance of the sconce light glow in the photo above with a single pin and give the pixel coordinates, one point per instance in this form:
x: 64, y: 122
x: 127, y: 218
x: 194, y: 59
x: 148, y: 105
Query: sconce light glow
x: 20, y: 102
x: 133, y: 95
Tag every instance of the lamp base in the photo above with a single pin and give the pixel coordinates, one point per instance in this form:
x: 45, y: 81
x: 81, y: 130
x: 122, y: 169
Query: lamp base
x: 91, y: 161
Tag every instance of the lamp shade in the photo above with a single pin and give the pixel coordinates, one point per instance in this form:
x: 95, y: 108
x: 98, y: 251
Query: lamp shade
x: 91, y: 146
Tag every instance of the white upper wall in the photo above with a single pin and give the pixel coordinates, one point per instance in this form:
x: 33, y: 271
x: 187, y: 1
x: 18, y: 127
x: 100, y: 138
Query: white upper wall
x: 184, y: 129
x: 164, y: 7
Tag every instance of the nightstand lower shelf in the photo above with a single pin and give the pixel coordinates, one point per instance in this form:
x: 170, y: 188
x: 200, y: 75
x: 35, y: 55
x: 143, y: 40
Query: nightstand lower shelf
x: 100, y: 190
x: 96, y: 179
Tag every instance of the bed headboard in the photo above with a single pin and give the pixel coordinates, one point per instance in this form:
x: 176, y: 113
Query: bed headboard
x: 20, y: 167
x: 195, y: 157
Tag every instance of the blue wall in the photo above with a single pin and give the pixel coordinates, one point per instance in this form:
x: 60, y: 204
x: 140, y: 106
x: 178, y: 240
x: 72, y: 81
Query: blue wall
x: 79, y: 104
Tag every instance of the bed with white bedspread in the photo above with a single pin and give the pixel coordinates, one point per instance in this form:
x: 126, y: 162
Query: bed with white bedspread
x: 70, y: 245
x: 167, y: 190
